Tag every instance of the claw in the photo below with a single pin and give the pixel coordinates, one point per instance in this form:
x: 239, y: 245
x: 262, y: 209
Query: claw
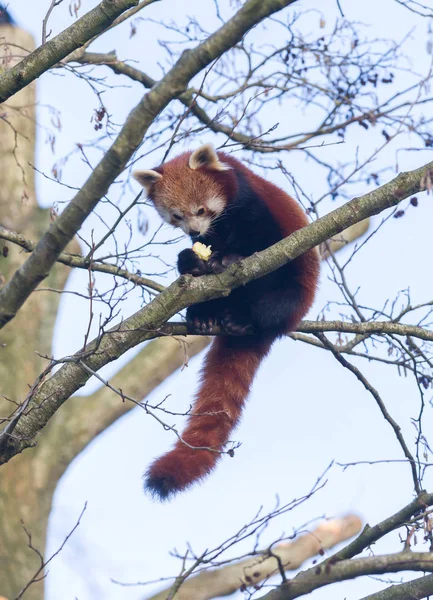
x: 233, y: 327
x: 202, y: 325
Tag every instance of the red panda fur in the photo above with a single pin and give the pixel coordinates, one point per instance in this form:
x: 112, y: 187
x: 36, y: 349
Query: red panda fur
x: 254, y: 214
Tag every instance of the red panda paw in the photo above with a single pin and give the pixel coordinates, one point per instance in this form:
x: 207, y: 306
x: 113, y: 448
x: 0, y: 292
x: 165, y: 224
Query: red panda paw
x: 203, y: 324
x: 204, y: 317
x: 235, y: 326
x: 188, y: 263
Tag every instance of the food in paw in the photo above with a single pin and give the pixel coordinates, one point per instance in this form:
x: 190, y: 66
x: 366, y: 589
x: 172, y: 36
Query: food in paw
x: 204, y: 252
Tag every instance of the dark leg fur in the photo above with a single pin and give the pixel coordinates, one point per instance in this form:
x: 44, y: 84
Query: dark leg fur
x: 278, y: 310
x: 189, y: 263
x: 204, y: 317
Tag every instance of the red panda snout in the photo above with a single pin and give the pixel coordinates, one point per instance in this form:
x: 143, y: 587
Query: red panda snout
x: 196, y: 225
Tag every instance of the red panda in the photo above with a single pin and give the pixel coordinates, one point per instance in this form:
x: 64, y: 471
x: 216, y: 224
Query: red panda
x: 217, y: 200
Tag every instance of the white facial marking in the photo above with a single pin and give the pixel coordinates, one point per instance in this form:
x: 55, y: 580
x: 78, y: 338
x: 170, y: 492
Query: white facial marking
x: 215, y: 204
x: 200, y: 224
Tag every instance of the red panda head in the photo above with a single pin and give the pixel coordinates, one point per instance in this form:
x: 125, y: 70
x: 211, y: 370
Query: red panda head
x: 190, y: 190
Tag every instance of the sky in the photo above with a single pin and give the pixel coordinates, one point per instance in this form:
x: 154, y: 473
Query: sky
x: 304, y: 412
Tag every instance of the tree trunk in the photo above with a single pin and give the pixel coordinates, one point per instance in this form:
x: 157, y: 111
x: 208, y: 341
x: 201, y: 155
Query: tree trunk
x: 27, y: 482
x: 23, y: 493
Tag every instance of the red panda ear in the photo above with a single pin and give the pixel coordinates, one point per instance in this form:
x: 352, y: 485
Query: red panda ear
x: 205, y: 156
x: 147, y: 178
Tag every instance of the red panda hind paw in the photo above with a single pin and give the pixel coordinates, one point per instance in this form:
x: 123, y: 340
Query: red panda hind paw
x: 203, y: 324
x: 232, y: 326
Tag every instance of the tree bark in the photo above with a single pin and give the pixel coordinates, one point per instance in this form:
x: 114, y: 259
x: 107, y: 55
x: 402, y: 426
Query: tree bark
x: 23, y: 495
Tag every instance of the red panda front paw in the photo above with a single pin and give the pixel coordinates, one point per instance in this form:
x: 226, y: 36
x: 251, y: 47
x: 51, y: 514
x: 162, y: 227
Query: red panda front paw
x: 188, y: 263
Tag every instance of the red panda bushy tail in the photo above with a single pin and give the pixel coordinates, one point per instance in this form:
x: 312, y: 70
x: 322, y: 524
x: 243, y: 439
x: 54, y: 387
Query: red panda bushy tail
x: 228, y: 372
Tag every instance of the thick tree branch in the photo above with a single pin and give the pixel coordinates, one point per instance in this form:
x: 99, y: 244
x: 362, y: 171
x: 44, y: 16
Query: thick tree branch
x: 370, y: 535
x: 317, y: 577
x: 202, y: 586
x: 181, y: 329
x: 63, y: 229
x: 188, y: 290
x: 411, y: 590
x: 222, y: 581
x: 82, y: 262
x: 367, y: 328
x: 47, y: 55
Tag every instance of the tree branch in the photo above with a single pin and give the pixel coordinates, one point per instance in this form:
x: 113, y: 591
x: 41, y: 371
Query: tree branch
x: 81, y: 262
x: 411, y: 590
x: 364, y: 328
x: 47, y: 55
x: 396, y: 428
x: 189, y: 99
x: 317, y: 577
x: 233, y: 577
x: 63, y: 229
x: 143, y: 373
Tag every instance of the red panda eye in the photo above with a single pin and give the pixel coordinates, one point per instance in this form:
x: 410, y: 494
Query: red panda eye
x: 200, y: 212
x: 177, y: 217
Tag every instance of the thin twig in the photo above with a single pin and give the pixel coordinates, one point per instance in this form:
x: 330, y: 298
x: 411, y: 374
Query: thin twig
x: 380, y: 403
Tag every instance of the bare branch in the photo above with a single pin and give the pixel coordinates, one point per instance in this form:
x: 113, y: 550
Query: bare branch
x: 47, y: 55
x: 317, y: 577
x: 416, y: 589
x: 240, y: 575
x: 82, y: 262
x: 396, y: 428
x: 44, y: 563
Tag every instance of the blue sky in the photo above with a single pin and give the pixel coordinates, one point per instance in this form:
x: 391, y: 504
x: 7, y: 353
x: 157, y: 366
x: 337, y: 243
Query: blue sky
x: 304, y: 411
